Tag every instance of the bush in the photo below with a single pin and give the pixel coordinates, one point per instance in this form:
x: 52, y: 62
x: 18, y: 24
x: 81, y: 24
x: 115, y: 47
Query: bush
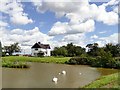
x: 115, y: 63
x: 3, y: 54
x: 10, y: 64
x: 40, y: 54
x: 105, y: 62
x: 79, y: 61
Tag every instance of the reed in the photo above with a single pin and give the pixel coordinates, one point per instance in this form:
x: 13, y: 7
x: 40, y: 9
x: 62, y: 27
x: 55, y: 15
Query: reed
x: 18, y: 64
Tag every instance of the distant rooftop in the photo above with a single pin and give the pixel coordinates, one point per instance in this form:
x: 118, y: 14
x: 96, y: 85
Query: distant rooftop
x: 40, y: 45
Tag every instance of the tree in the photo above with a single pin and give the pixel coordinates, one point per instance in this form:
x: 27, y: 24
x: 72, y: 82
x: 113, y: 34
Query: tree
x: 118, y: 50
x: 12, y: 48
x: 79, y: 50
x: 69, y: 50
x: 59, y: 51
x: 93, y: 49
x: 55, y: 51
x: 63, y: 51
x: 113, y: 49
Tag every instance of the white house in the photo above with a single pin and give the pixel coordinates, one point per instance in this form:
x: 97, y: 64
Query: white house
x: 38, y: 48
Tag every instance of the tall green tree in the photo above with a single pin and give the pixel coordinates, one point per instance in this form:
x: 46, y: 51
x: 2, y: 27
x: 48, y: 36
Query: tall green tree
x: 71, y: 49
x: 113, y: 49
x: 12, y: 48
x: 93, y: 49
x: 59, y: 51
x: 118, y: 50
x: 68, y: 50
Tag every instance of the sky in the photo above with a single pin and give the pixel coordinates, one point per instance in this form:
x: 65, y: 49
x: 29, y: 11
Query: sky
x: 58, y: 23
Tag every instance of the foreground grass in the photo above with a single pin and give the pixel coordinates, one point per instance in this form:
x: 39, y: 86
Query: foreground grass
x: 108, y: 81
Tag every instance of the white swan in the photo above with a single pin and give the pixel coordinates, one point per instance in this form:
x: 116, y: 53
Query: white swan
x: 64, y: 72
x: 80, y: 73
x: 55, y: 79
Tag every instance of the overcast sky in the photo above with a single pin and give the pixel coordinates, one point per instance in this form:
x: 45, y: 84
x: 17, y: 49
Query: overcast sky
x: 58, y: 23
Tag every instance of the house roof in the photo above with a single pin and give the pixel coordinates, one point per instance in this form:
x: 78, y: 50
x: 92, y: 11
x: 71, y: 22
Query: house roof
x: 39, y: 45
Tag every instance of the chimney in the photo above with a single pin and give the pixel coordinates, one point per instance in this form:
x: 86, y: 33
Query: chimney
x: 39, y: 43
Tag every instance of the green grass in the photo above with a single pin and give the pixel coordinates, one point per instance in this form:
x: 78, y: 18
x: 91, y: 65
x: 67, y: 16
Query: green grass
x: 108, y: 81
x: 60, y: 60
x: 10, y: 61
x: 17, y: 64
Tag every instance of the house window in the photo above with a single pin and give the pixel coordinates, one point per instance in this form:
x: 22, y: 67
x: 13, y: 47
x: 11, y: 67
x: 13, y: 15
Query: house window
x: 36, y: 48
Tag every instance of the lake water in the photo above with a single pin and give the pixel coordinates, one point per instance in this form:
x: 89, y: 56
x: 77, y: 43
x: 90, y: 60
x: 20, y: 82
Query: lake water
x: 40, y: 75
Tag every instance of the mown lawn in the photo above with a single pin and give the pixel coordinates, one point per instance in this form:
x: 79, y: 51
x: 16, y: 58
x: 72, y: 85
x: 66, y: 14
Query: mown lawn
x: 108, y: 81
x: 59, y: 60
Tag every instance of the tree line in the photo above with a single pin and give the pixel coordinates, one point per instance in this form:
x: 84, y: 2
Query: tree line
x: 71, y: 50
x: 94, y: 50
x: 105, y: 57
x: 9, y: 50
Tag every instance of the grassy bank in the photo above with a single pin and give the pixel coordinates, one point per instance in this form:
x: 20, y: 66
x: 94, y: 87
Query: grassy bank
x: 59, y: 60
x: 108, y: 81
x: 20, y: 61
x: 10, y: 64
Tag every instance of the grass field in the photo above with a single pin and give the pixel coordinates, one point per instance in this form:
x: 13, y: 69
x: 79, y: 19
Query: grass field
x: 108, y: 81
x: 60, y: 60
x: 21, y: 61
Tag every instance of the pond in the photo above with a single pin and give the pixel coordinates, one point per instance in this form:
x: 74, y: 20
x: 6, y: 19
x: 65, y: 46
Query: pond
x: 40, y: 75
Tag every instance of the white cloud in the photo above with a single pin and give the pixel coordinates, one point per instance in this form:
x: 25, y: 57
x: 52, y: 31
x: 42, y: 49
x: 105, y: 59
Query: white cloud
x: 4, y: 36
x: 25, y: 37
x: 116, y: 9
x: 4, y: 6
x: 109, y: 18
x: 78, y: 12
x: 59, y: 28
x: 78, y: 39
x: 87, y: 26
x: 81, y: 19
x: 81, y: 15
x: 17, y: 31
x: 20, y: 19
x: 112, y: 2
x: 110, y: 39
x: 94, y: 37
x: 102, y: 32
x: 3, y: 24
x: 16, y: 12
x: 73, y: 38
x: 59, y: 7
x: 67, y: 28
x: 113, y: 38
